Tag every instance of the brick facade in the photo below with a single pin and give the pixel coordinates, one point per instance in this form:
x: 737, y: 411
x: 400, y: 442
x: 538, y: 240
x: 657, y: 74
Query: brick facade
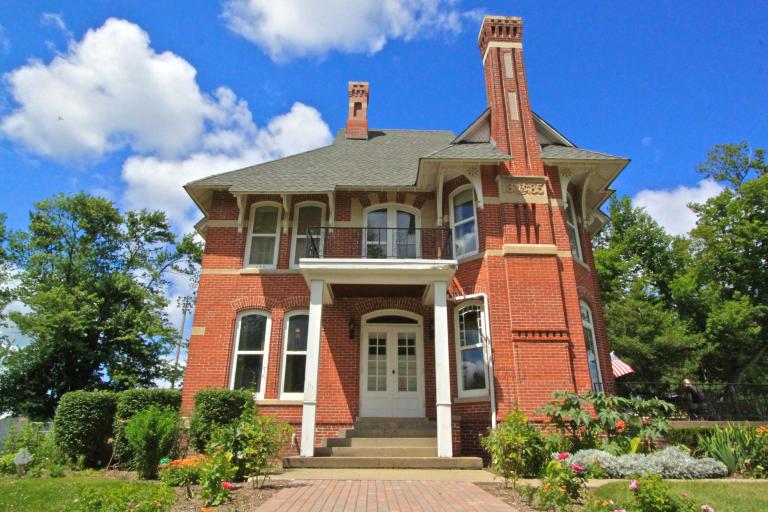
x: 533, y: 297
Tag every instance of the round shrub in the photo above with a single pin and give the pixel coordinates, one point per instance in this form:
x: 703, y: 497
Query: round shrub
x: 215, y: 408
x: 133, y: 401
x: 84, y: 425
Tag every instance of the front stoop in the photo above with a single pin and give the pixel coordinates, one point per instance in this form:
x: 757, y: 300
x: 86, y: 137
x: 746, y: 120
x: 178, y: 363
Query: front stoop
x: 393, y: 443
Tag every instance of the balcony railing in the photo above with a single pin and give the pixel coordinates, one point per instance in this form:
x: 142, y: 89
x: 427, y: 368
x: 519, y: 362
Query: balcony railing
x: 379, y: 243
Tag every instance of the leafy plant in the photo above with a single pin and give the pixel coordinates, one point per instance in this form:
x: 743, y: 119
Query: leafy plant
x: 562, y: 487
x: 670, y: 462
x: 216, y: 407
x: 516, y: 448
x: 130, y: 497
x: 151, y: 435
x: 652, y: 494
x: 133, y: 401
x: 742, y: 449
x: 183, y: 472
x: 215, y: 473
x: 568, y: 413
x: 255, y: 442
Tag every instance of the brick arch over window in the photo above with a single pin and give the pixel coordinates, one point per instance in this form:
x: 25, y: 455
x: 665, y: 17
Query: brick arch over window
x: 586, y: 295
x: 358, y: 307
x: 291, y: 303
x: 253, y: 302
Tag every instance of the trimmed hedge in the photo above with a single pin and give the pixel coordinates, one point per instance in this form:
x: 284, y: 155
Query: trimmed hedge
x: 84, y: 425
x: 134, y: 401
x: 215, y: 407
x: 688, y: 436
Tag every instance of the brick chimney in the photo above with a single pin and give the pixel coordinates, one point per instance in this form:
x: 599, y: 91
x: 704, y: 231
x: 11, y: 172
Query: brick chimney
x: 357, y: 122
x: 512, y: 127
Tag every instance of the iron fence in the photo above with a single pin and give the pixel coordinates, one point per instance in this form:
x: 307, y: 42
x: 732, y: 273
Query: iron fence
x: 379, y: 243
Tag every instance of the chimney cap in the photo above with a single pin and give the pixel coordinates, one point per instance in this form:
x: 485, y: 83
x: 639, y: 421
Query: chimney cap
x: 500, y: 28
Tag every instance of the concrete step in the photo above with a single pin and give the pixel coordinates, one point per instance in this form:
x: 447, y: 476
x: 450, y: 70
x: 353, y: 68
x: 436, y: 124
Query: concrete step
x: 384, y: 462
x: 390, y: 432
x: 394, y: 422
x: 379, y: 451
x: 381, y: 442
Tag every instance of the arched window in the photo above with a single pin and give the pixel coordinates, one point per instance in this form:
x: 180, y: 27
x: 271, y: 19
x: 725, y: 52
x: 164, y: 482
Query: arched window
x: 593, y: 359
x: 573, y: 228
x: 263, y: 236
x: 470, y: 350
x: 294, y: 356
x: 464, y: 222
x: 249, y: 363
x: 391, y: 231
x: 307, y: 221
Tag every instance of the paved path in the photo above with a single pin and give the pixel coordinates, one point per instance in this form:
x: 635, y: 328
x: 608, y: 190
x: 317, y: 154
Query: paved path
x: 381, y: 496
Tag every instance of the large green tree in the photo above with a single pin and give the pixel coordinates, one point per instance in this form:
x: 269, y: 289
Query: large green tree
x: 94, y: 281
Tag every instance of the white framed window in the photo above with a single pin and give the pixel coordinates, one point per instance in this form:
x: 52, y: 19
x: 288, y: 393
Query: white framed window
x: 249, y: 361
x: 306, y: 216
x: 573, y: 228
x: 294, y: 356
x: 262, y: 246
x: 472, y: 373
x: 392, y: 231
x: 464, y: 222
x: 593, y: 359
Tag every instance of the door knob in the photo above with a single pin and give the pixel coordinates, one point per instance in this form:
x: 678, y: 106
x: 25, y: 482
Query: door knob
x: 393, y: 372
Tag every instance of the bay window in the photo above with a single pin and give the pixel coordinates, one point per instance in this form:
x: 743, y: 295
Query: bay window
x: 470, y: 350
x: 573, y: 228
x: 464, y: 222
x: 593, y: 360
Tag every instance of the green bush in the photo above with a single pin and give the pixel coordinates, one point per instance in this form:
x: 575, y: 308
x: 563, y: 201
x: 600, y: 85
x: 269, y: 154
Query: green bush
x: 742, y: 449
x: 183, y: 472
x: 132, y: 496
x: 516, y: 447
x: 133, y: 401
x: 7, y: 467
x: 652, y: 494
x: 214, y: 472
x: 688, y: 436
x: 562, y: 487
x: 213, y: 408
x: 255, y: 442
x: 151, y: 435
x: 83, y: 426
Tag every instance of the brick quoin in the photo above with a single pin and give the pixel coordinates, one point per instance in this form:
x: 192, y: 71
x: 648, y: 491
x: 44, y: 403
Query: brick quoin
x: 533, y: 298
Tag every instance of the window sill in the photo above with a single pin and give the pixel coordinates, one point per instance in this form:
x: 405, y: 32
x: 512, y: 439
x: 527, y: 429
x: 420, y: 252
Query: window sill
x: 269, y: 270
x: 273, y: 401
x: 472, y: 399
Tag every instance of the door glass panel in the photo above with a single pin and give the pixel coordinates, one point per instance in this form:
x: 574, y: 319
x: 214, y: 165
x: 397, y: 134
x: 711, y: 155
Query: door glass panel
x: 377, y: 361
x: 376, y: 234
x: 405, y: 241
x: 406, y: 362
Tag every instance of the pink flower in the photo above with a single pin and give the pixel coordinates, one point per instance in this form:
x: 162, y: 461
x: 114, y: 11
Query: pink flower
x: 227, y: 486
x: 634, y: 485
x: 563, y: 455
x: 707, y: 508
x: 577, y: 468
x: 684, y: 494
x: 619, y: 510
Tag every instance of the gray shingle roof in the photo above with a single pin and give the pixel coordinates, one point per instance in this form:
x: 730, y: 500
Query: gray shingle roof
x: 470, y: 151
x: 555, y: 152
x: 387, y: 158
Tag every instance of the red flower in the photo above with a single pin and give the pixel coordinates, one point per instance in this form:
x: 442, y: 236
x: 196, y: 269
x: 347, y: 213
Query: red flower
x: 563, y: 455
x: 620, y: 425
x: 577, y: 468
x: 227, y: 486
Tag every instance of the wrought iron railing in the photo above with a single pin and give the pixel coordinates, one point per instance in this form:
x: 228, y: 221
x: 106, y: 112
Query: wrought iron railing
x: 715, y: 401
x: 379, y: 243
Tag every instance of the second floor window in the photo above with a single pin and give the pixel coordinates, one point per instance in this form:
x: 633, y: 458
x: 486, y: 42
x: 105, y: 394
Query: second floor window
x: 249, y: 363
x: 306, y: 229
x: 573, y: 228
x: 391, y: 232
x: 263, y: 236
x: 464, y: 223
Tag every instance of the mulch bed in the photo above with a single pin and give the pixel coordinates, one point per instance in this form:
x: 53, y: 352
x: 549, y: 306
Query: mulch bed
x: 507, y: 495
x: 244, y: 497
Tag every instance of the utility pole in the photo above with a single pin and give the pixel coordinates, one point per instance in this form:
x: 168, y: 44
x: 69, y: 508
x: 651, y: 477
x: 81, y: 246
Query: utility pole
x: 186, y: 306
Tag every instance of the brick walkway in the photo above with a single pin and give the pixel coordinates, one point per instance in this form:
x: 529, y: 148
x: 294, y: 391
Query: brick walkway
x: 378, y: 495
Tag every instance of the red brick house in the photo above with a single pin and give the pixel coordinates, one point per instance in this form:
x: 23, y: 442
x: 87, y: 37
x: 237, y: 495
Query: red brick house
x: 407, y: 273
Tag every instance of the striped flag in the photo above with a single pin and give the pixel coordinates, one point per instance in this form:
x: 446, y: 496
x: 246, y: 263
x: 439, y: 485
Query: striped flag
x: 620, y: 368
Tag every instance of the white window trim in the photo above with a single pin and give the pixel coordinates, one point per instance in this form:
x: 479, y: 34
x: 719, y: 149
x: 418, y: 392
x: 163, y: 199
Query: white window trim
x: 295, y: 234
x: 284, y: 395
x: 265, y: 353
x: 392, y: 209
x: 465, y: 221
x: 251, y: 215
x: 573, y: 222
x: 591, y: 326
x: 471, y: 393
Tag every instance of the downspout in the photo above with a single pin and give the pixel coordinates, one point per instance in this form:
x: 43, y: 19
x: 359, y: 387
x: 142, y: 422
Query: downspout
x: 489, y: 352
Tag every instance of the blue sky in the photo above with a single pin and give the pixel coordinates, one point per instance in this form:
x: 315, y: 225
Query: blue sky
x: 170, y: 91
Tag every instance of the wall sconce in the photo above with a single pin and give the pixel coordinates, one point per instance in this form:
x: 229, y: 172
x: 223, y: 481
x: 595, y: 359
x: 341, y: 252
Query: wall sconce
x: 351, y: 328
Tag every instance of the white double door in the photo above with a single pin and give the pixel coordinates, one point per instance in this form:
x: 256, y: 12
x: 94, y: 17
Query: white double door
x: 392, y: 371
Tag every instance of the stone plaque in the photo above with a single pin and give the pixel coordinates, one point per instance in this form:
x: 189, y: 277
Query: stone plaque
x: 524, y: 189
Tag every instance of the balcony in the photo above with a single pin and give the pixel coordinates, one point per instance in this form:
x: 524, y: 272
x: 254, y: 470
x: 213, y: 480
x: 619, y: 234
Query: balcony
x: 375, y: 262
x: 379, y: 243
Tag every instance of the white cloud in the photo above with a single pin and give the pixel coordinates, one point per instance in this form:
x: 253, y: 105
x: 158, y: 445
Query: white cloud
x: 157, y: 183
x: 55, y: 20
x: 670, y: 206
x: 5, y: 41
x: 297, y: 28
x: 108, y: 91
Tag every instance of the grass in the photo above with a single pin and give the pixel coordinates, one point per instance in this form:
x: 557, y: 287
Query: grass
x: 751, y: 496
x: 57, y: 494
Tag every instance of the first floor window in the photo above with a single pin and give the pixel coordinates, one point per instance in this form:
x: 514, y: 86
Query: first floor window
x: 464, y: 223
x: 250, y: 357
x: 592, y: 355
x: 470, y: 350
x: 295, y: 356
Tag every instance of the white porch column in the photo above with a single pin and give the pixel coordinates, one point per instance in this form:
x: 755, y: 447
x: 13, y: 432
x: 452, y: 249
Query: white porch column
x: 442, y: 372
x: 310, y: 375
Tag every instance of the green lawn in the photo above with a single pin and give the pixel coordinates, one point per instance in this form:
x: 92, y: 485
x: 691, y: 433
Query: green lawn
x: 56, y: 494
x: 749, y: 496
